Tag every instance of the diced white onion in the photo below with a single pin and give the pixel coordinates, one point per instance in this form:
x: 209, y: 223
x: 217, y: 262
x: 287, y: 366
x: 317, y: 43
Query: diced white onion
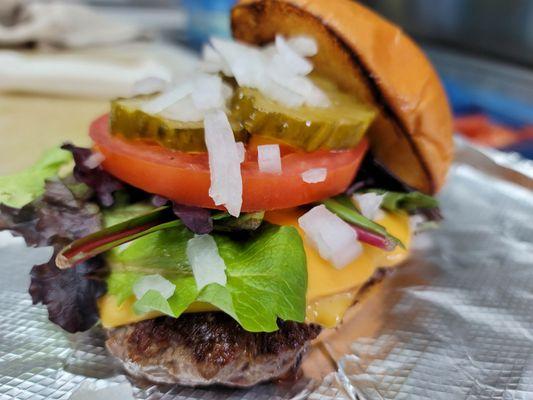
x: 93, y: 391
x: 209, y: 67
x: 308, y: 93
x: 315, y: 175
x: 167, y: 98
x: 183, y: 110
x: 153, y: 282
x: 207, y: 92
x: 224, y: 162
x: 369, y: 204
x: 212, y: 61
x: 279, y: 71
x: 293, y: 61
x: 241, y: 151
x: 94, y: 160
x: 246, y: 63
x: 148, y: 86
x: 269, y: 158
x: 227, y: 91
x: 303, y: 45
x: 335, y: 240
x: 281, y: 94
x: 210, y: 55
x: 269, y: 50
x: 207, y: 265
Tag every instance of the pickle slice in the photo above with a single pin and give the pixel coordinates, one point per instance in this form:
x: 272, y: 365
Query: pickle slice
x: 128, y: 120
x: 339, y: 126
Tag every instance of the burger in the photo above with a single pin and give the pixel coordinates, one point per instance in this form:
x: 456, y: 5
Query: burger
x: 219, y: 224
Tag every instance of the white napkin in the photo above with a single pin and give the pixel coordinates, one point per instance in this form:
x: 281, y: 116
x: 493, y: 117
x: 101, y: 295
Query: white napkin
x: 94, y: 61
x: 101, y: 73
x: 77, y: 76
x: 59, y: 24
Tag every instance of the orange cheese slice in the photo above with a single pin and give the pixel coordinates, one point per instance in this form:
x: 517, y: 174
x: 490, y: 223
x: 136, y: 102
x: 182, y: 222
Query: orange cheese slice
x: 330, y: 291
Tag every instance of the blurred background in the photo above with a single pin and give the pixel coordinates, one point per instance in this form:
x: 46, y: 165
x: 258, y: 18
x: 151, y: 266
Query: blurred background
x: 60, y: 62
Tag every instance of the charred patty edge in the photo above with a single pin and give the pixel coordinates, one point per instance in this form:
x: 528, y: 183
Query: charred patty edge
x: 209, y: 348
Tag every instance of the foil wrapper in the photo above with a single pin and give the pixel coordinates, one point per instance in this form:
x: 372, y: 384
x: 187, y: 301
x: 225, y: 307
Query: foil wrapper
x: 454, y: 322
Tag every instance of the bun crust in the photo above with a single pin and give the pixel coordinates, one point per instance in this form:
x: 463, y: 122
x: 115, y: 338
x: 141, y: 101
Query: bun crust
x: 376, y: 61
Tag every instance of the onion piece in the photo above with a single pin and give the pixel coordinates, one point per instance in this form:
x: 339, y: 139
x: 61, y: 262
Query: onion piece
x: 301, y: 86
x: 94, y: 160
x: 207, y: 265
x: 153, y: 282
x: 277, y: 71
x: 280, y: 93
x: 369, y: 204
x: 183, y: 110
x: 213, y: 62
x: 335, y: 240
x: 149, y: 85
x: 269, y: 158
x: 315, y: 175
x: 227, y: 91
x: 303, y: 45
x: 241, y: 150
x: 209, y: 54
x: 167, y: 98
x: 293, y: 61
x: 209, y: 67
x: 224, y: 162
x: 207, y: 92
x: 246, y: 63
x: 298, y: 85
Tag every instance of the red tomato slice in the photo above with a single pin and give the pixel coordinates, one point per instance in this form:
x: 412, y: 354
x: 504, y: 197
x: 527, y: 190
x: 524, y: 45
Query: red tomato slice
x: 184, y: 177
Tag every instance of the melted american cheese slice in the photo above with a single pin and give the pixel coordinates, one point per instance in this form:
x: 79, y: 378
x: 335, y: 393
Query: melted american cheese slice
x: 330, y: 291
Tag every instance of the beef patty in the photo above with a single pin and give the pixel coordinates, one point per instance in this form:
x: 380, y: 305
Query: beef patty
x: 208, y: 348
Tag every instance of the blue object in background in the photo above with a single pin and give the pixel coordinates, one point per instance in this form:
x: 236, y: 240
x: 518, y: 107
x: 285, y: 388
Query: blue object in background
x: 468, y: 99
x: 477, y: 85
x: 524, y: 148
x: 471, y: 99
x: 206, y: 18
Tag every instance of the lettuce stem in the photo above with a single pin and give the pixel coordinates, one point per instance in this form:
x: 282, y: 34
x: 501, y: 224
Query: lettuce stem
x: 108, y: 238
x: 373, y: 239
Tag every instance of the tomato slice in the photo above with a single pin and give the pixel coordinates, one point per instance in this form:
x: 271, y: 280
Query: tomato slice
x: 184, y: 177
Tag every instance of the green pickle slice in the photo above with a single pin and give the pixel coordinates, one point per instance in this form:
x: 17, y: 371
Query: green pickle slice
x: 127, y: 119
x: 339, y: 126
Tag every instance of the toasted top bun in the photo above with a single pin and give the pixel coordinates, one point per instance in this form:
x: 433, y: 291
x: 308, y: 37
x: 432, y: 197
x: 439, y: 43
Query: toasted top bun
x: 372, y: 58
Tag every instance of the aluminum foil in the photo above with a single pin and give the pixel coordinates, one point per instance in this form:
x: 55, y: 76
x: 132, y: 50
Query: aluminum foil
x: 455, y: 322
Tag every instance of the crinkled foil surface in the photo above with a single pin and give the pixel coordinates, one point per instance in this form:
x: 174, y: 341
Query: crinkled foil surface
x: 455, y: 322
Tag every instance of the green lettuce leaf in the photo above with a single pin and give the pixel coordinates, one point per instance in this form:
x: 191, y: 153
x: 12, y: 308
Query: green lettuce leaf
x: 152, y: 301
x: 343, y: 207
x: 122, y: 213
x: 266, y: 275
x: 409, y: 202
x: 23, y: 187
x: 223, y: 222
